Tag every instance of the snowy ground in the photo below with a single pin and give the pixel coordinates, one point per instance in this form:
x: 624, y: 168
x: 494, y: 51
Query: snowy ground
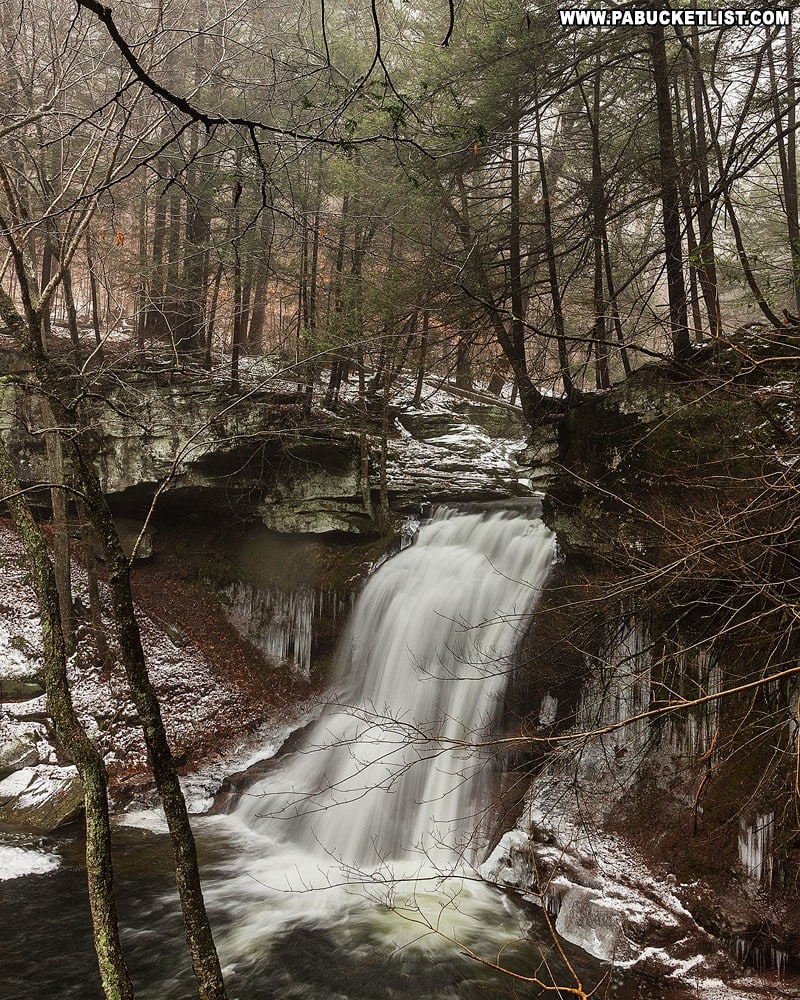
x: 603, y: 896
x: 203, y: 713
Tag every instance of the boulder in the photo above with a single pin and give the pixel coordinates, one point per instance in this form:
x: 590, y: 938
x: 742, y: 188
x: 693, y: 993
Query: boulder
x: 19, y: 748
x: 41, y: 798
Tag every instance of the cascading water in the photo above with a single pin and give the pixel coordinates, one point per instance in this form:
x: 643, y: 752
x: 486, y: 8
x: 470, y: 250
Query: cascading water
x: 377, y: 811
x: 391, y: 771
x: 345, y: 874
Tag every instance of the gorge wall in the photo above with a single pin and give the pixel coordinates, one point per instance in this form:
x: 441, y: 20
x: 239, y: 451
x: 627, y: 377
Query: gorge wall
x: 658, y: 683
x: 261, y: 453
x: 656, y: 688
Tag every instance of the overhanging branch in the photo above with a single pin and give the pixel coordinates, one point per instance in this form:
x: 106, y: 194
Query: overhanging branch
x: 209, y: 119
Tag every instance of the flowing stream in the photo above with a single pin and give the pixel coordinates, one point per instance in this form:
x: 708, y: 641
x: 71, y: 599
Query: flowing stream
x: 372, y: 826
x: 348, y: 869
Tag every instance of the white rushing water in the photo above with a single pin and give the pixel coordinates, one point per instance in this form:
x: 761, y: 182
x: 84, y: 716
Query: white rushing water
x: 383, y: 800
x: 422, y: 666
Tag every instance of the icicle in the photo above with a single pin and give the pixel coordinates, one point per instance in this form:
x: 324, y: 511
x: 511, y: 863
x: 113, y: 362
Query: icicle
x: 621, y: 689
x: 755, y: 841
x: 548, y: 710
x: 762, y: 957
x: 282, y: 623
x: 552, y: 904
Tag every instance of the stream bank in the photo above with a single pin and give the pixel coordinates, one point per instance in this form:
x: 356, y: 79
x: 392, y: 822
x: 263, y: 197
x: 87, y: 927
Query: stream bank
x: 686, y: 862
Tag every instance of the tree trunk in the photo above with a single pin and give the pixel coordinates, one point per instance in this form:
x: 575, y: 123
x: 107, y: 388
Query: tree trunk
x: 208, y: 333
x: 236, y: 336
x: 422, y: 364
x: 338, y: 359
x: 246, y: 298
x: 93, y: 296
x: 692, y: 247
x: 313, y: 277
x: 47, y: 273
x: 598, y: 199
x: 236, y: 339
x: 612, y: 297
x: 705, y: 207
x: 72, y: 314
x: 514, y: 242
x: 670, y: 201
x: 787, y: 155
x: 499, y: 376
x: 198, y: 930
x: 156, y: 322
x: 552, y: 270
x: 464, y: 361
x: 61, y: 553
x: 531, y: 399
x: 95, y: 602
x: 255, y: 331
x: 141, y: 293
x: 74, y: 742
x: 790, y: 186
x: 704, y: 103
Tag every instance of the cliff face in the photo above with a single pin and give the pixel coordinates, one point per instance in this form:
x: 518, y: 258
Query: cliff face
x: 659, y: 680
x: 260, y: 454
x: 249, y: 454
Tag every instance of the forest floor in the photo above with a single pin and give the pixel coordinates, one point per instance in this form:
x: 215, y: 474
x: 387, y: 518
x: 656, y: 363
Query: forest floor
x: 219, y: 696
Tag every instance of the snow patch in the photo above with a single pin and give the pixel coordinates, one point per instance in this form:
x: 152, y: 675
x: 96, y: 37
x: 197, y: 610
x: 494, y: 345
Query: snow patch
x: 18, y: 861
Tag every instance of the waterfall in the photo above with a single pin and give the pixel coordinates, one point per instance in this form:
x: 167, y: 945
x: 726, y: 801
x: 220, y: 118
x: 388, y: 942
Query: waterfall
x: 391, y: 770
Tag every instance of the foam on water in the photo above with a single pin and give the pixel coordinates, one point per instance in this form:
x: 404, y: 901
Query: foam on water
x: 374, y: 825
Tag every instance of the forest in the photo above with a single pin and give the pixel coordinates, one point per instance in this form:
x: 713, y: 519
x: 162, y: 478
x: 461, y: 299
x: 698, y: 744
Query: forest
x: 340, y: 189
x: 247, y: 248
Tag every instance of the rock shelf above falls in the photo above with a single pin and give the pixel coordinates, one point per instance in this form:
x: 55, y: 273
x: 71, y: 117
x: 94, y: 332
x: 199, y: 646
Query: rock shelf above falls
x: 259, y: 455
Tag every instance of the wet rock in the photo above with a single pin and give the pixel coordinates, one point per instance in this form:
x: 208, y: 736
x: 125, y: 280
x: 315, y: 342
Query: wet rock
x: 129, y: 531
x: 16, y: 689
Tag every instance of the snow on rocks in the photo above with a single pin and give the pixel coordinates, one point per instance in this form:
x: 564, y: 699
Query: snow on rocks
x: 451, y: 443
x: 603, y: 897
x: 42, y: 797
x: 36, y: 790
x: 444, y: 449
x: 23, y: 744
